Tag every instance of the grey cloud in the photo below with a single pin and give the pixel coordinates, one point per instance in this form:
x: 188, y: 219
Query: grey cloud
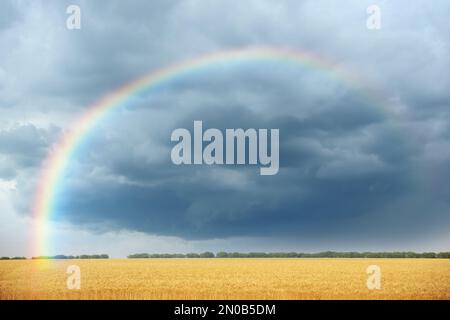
x: 23, y: 146
x: 347, y: 168
x: 320, y: 159
x: 9, y: 15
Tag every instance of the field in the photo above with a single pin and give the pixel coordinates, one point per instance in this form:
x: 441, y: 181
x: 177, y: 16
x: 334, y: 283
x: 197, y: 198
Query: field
x: 226, y: 279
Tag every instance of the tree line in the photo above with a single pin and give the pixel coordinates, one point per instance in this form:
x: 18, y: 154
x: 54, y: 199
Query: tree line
x: 60, y: 256
x: 172, y: 255
x: 222, y: 254
x: 83, y: 256
x: 325, y: 254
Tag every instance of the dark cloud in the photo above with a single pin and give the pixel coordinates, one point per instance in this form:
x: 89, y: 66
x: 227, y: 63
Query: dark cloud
x: 9, y: 15
x: 22, y: 147
x: 339, y: 159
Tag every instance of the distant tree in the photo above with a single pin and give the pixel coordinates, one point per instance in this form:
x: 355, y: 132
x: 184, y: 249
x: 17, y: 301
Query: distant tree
x: 443, y: 255
x: 138, y: 256
x: 323, y: 254
x: 222, y: 254
x: 207, y: 254
x: 256, y: 255
x: 236, y: 255
x: 429, y: 255
x: 292, y: 255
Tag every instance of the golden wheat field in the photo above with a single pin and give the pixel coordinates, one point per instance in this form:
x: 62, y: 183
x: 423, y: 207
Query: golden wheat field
x: 226, y: 279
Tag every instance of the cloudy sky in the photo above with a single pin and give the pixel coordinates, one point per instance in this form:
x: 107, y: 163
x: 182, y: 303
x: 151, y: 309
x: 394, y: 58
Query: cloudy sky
x: 356, y: 173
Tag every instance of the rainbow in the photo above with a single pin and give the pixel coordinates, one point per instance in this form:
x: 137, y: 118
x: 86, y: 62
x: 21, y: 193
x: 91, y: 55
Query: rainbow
x: 60, y: 155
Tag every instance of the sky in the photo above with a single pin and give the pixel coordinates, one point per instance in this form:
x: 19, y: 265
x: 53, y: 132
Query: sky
x: 356, y: 172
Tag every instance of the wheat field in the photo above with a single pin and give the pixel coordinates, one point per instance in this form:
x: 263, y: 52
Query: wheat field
x: 226, y: 279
